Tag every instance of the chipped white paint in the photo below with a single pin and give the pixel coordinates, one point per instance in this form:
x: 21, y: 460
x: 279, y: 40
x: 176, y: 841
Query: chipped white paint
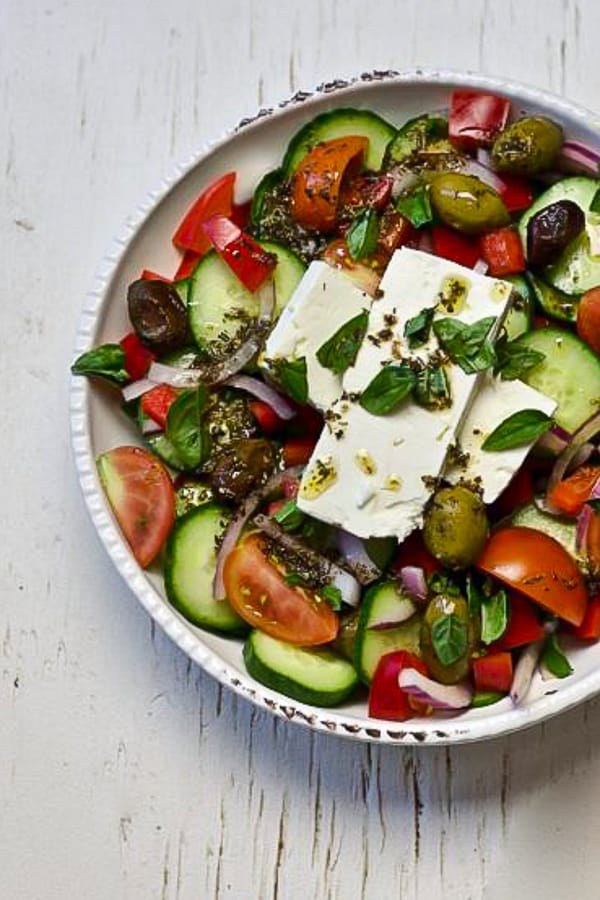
x: 124, y: 771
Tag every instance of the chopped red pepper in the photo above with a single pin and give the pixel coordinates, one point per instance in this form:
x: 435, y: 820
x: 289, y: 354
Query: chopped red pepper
x: 413, y: 552
x: 266, y: 417
x: 138, y: 358
x: 240, y: 214
x: 476, y: 118
x: 370, y: 191
x: 570, y: 494
x: 298, y: 451
x: 386, y: 699
x: 216, y: 199
x: 149, y: 275
x: 451, y: 245
x: 156, y: 403
x: 493, y: 672
x: 188, y: 263
x: 246, y: 259
x: 523, y: 625
x: 516, y: 193
x: 589, y: 630
x: 503, y: 252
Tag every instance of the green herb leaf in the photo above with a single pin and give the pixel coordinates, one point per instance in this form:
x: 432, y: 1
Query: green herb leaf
x: 416, y: 330
x: 468, y: 346
x: 513, y: 360
x: 595, y: 204
x: 106, y: 361
x: 289, y: 516
x: 432, y: 389
x: 486, y: 698
x: 474, y: 595
x: 554, y: 659
x: 416, y: 207
x: 494, y: 616
x: 291, y: 375
x: 339, y: 351
x: 184, y: 427
x: 363, y: 234
x: 449, y: 638
x: 388, y: 389
x: 332, y: 595
x: 440, y: 583
x: 594, y: 504
x: 517, y: 430
x: 294, y: 579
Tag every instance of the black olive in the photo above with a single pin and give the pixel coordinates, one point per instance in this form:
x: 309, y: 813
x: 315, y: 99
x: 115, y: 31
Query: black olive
x: 551, y: 230
x: 158, y: 315
x: 240, y: 467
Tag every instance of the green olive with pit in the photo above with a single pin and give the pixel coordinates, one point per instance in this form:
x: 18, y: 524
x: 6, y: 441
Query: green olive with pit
x: 448, y: 638
x: 468, y: 204
x: 455, y: 527
x: 528, y: 146
x: 346, y: 637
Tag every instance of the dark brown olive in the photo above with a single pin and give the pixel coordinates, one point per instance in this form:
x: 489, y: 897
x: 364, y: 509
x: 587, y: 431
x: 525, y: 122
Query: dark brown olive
x: 241, y: 467
x: 158, y: 315
x: 551, y: 230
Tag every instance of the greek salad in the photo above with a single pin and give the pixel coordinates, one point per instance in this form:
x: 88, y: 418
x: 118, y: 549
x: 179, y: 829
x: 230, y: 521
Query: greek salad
x: 367, y: 403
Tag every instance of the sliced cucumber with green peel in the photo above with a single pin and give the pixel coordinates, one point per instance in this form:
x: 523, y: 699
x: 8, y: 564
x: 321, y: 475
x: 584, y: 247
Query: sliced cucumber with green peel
x: 219, y: 303
x: 553, y: 302
x: 578, y: 269
x: 336, y: 124
x: 190, y: 561
x: 520, y: 316
x: 561, y: 529
x: 183, y: 288
x: 264, y: 187
x: 570, y: 374
x: 316, y: 676
x: 159, y: 443
x: 384, y: 604
x: 421, y: 135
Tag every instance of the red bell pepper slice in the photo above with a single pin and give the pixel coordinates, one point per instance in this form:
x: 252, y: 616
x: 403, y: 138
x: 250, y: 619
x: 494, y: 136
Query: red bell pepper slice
x: 589, y: 630
x: 149, y: 275
x: 188, y: 263
x: 451, y: 245
x: 298, y: 451
x: 265, y: 415
x: 246, y: 259
x: 476, y: 118
x: 138, y: 358
x: 503, y: 252
x: 493, y: 672
x: 516, y: 193
x: 371, y: 191
x: 523, y: 625
x: 216, y: 199
x: 240, y: 214
x: 570, y: 494
x: 413, y: 552
x: 157, y: 402
x: 386, y: 699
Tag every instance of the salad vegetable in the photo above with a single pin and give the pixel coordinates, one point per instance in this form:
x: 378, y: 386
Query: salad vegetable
x: 367, y: 404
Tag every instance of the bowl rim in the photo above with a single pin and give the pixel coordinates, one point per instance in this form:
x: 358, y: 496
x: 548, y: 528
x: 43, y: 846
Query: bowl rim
x: 440, y: 731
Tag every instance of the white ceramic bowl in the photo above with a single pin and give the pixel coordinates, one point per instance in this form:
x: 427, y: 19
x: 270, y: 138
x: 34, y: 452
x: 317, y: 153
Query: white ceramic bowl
x: 251, y: 149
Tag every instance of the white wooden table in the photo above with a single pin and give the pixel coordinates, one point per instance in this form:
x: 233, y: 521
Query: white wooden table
x: 125, y: 773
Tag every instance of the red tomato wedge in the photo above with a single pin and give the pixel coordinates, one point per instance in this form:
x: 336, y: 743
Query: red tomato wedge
x: 386, y: 699
x: 413, y: 552
x: 589, y: 630
x: 259, y: 594
x: 454, y: 246
x: 493, y: 672
x: 539, y: 567
x: 298, y: 451
x: 137, y: 356
x: 503, y: 252
x: 266, y: 417
x: 317, y: 182
x: 142, y: 498
x: 516, y: 193
x: 216, y: 199
x: 588, y: 318
x: 476, y: 118
x: 571, y: 494
x: 523, y: 625
x: 157, y: 402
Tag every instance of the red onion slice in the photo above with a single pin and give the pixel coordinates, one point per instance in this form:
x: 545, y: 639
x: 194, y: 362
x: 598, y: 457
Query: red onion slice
x: 584, y: 518
x: 356, y: 558
x: 263, y: 392
x: 137, y: 389
x: 554, y: 441
x: 159, y: 373
x: 436, y: 695
x: 576, y: 156
x: 524, y: 671
x: 472, y: 167
x: 583, y: 434
x: 414, y: 582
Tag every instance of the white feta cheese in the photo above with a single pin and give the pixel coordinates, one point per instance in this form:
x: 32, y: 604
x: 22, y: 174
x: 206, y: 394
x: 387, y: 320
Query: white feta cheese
x: 496, y: 400
x: 408, y: 447
x: 324, y: 300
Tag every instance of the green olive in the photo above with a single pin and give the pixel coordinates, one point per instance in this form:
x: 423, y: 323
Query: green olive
x: 344, y: 642
x: 456, y: 526
x: 467, y: 204
x: 528, y: 146
x: 443, y: 606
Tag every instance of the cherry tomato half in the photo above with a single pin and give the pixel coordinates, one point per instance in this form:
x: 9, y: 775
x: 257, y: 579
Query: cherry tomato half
x: 570, y: 494
x: 318, y: 180
x: 588, y: 318
x: 538, y: 566
x: 142, y: 498
x: 259, y: 594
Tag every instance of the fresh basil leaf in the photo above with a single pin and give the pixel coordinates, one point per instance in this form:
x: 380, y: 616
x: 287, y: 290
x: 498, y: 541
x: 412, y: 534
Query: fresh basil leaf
x: 294, y: 579
x: 339, y: 351
x: 449, y: 638
x: 474, y: 595
x: 554, y: 659
x: 291, y: 375
x: 363, y: 234
x: 289, y: 516
x: 439, y: 583
x: 416, y: 207
x: 517, y: 430
x: 332, y: 595
x: 486, y: 698
x: 494, y: 616
x: 513, y: 360
x: 593, y: 504
x: 388, y: 389
x: 416, y: 330
x: 595, y: 204
x: 106, y: 361
x: 468, y: 346
x: 432, y: 389
x: 184, y: 427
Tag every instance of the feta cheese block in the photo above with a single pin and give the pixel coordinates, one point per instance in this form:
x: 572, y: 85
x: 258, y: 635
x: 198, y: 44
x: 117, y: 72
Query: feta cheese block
x: 324, y: 300
x: 370, y: 474
x: 495, y: 402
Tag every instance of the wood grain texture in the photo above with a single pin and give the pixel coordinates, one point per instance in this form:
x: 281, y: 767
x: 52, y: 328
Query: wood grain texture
x: 124, y: 771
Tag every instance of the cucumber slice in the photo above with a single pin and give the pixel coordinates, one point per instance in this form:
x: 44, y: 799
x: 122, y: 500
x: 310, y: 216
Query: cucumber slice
x: 424, y: 134
x: 183, y: 288
x: 159, y: 443
x: 577, y: 270
x: 190, y: 559
x: 570, y: 374
x: 384, y: 603
x: 520, y: 316
x: 553, y: 302
x: 264, y: 186
x: 562, y: 530
x: 341, y: 123
x: 318, y: 677
x: 218, y: 301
